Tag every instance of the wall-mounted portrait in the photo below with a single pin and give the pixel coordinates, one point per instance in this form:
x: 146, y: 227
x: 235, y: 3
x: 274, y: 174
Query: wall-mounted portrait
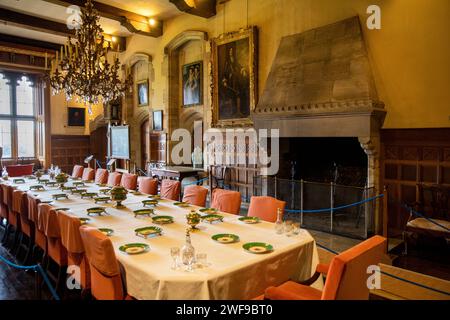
x: 192, y: 84
x: 76, y: 117
x: 157, y: 120
x: 142, y: 93
x: 234, y: 77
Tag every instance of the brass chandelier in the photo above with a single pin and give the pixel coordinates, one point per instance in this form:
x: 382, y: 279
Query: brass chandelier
x: 82, y: 70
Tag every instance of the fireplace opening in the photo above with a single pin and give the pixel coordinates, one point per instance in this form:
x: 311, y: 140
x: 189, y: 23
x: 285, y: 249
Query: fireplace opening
x: 323, y: 174
x: 338, y: 160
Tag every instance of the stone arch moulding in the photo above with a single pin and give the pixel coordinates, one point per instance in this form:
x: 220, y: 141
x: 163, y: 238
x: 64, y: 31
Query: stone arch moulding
x: 183, y: 37
x: 98, y: 122
x: 145, y: 57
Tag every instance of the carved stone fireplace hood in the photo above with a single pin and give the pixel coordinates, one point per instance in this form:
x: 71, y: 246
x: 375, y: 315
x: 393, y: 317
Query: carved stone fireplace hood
x: 321, y: 85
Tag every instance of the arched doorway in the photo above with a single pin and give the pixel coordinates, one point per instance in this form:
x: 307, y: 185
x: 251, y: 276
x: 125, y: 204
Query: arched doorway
x: 145, y: 144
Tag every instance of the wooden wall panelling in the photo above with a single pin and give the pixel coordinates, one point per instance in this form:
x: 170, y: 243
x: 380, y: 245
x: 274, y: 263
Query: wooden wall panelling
x: 409, y: 157
x: 68, y: 151
x: 98, y: 145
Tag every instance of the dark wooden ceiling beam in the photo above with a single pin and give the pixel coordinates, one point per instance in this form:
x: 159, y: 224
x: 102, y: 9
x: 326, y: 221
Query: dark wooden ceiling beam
x: 134, y: 22
x: 34, y: 23
x: 6, y: 39
x: 203, y: 8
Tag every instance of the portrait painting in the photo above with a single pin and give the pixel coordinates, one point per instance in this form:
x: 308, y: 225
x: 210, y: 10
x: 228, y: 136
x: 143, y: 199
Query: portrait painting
x: 142, y: 93
x: 158, y: 120
x: 234, y: 78
x: 76, y: 117
x: 192, y: 75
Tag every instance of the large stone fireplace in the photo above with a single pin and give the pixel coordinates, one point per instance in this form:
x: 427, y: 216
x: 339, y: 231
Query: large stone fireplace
x: 321, y: 86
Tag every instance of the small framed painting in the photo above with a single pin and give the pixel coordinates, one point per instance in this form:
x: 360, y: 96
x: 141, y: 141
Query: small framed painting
x: 192, y: 84
x: 76, y: 117
x: 142, y: 92
x: 158, y: 120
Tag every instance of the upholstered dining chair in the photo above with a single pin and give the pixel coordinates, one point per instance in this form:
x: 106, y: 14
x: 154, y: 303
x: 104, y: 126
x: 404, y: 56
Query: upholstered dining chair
x: 71, y: 240
x: 114, y: 179
x: 129, y: 181
x: 48, y: 218
x: 13, y: 217
x: 101, y: 176
x: 77, y: 171
x: 26, y: 226
x: 226, y: 200
x: 106, y: 278
x: 3, y: 215
x: 195, y: 195
x: 346, y: 276
x: 40, y: 240
x: 148, y: 185
x: 88, y: 174
x: 19, y: 210
x: 265, y: 208
x: 170, y: 189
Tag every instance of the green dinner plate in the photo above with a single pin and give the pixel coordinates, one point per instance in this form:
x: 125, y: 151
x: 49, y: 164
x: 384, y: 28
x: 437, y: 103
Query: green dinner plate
x: 104, y: 190
x: 148, y: 231
x: 162, y: 219
x: 208, y: 210
x: 101, y: 184
x: 181, y: 204
x: 89, y: 195
x: 106, y: 231
x: 51, y: 184
x: 257, y: 247
x: 225, y: 238
x: 62, y: 209
x: 84, y: 220
x: 212, y: 218
x: 134, y: 248
x: 43, y: 180
x: 249, y: 220
x: 143, y: 212
x: 101, y: 199
x: 149, y: 202
x: 30, y: 177
x: 18, y: 181
x: 134, y: 192
x: 58, y: 196
x: 154, y: 196
x: 37, y: 187
x: 68, y: 188
x: 96, y: 210
x: 78, y: 183
x: 47, y: 201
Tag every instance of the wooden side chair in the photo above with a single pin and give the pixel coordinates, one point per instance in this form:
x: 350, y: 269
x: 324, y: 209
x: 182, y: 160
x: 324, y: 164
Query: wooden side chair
x: 114, y: 179
x: 265, y: 208
x: 77, y: 171
x: 226, y: 200
x: 170, y: 189
x: 101, y: 176
x: 195, y: 195
x: 148, y: 185
x: 88, y: 174
x: 129, y: 181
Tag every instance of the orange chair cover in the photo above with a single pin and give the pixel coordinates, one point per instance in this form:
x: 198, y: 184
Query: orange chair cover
x: 106, y: 281
x: 77, y: 171
x: 114, y: 179
x: 71, y: 240
x: 148, y: 185
x: 170, y: 189
x: 226, y: 200
x: 20, y: 208
x: 195, y: 195
x: 129, y: 181
x: 88, y: 174
x: 13, y: 217
x: 346, y: 277
x: 265, y: 208
x: 3, y: 207
x: 49, y: 218
x: 101, y: 176
x: 33, y: 215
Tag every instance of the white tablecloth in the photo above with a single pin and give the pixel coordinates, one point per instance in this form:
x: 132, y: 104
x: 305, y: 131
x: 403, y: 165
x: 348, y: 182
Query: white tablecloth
x: 232, y: 273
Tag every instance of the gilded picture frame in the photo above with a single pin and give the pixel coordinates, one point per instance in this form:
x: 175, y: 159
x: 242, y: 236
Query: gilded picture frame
x: 234, y: 79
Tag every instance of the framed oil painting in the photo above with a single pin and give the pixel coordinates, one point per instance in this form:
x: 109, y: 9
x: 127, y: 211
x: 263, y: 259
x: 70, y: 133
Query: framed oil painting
x: 76, y: 117
x: 157, y: 120
x: 234, y: 77
x: 142, y: 93
x: 192, y: 84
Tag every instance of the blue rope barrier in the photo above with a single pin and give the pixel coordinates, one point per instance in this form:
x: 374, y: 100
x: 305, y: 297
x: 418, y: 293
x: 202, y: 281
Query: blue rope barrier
x: 392, y: 275
x: 337, y: 208
x: 36, y: 268
x: 426, y: 218
x: 195, y: 182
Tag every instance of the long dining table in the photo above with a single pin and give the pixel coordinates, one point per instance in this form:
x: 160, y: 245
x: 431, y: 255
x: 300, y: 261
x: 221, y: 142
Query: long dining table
x: 230, y: 271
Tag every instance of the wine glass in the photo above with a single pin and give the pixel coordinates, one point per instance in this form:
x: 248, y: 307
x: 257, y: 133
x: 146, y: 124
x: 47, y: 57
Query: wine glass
x: 287, y: 227
x: 175, y: 253
x: 201, y: 260
x: 190, y: 260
